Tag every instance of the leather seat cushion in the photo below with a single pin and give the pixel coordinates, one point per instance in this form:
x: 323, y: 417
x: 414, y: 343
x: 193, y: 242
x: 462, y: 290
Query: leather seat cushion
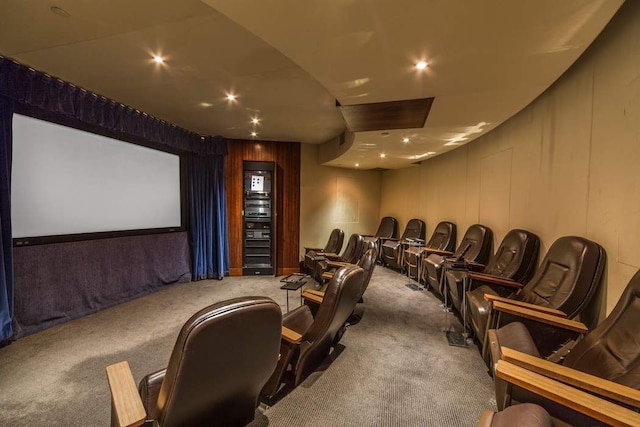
x: 515, y: 335
x: 522, y: 415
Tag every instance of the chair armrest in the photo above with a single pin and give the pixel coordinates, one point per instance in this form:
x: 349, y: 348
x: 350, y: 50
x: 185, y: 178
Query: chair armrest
x: 585, y: 403
x: 430, y: 251
x: 313, y: 297
x: 314, y: 292
x: 534, y: 307
x: 336, y: 264
x: 549, y: 319
x: 290, y: 335
x: 328, y: 275
x: 393, y: 239
x: 307, y: 249
x: 573, y: 377
x: 125, y: 399
x: 488, y: 278
x: 331, y: 255
x: 475, y: 266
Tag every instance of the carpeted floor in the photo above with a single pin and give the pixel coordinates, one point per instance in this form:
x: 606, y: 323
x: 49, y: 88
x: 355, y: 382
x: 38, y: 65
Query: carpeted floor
x: 396, y: 368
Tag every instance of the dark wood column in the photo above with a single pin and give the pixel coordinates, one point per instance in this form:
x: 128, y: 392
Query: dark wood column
x: 286, y: 156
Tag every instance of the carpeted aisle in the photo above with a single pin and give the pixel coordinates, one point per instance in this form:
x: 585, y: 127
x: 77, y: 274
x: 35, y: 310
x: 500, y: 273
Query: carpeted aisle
x: 396, y: 368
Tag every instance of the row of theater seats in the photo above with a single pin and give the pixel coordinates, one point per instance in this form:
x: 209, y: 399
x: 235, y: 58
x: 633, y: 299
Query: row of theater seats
x: 527, y: 319
x: 233, y: 354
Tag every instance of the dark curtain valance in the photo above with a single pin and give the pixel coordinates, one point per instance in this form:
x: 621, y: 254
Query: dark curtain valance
x: 36, y: 89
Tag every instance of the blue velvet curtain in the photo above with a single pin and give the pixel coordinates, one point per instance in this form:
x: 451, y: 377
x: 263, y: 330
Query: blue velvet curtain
x: 208, y: 217
x: 25, y: 90
x: 6, y: 245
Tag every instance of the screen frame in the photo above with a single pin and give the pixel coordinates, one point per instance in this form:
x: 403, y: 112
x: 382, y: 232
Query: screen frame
x: 37, y: 113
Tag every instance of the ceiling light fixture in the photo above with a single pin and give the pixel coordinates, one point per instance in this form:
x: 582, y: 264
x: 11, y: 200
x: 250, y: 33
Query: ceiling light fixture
x: 231, y: 97
x: 254, y: 134
x: 405, y: 140
x: 158, y: 59
x: 421, y: 65
x: 206, y: 104
x: 255, y: 120
x: 357, y: 165
x: 382, y: 155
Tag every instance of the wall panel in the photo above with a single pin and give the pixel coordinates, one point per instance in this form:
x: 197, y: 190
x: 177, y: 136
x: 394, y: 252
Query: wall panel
x: 573, y: 169
x: 286, y: 155
x: 335, y: 198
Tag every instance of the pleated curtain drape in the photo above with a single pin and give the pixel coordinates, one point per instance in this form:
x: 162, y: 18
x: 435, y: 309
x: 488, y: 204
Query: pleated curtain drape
x: 6, y: 245
x: 208, y: 217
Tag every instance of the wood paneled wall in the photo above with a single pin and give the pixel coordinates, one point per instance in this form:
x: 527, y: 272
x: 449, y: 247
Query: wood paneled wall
x: 286, y: 156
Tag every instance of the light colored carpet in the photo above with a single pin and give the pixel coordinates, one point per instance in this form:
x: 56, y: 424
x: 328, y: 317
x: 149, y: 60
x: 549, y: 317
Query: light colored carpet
x: 396, y: 368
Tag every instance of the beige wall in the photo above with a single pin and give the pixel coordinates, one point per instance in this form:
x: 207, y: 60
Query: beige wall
x: 568, y: 164
x: 335, y: 198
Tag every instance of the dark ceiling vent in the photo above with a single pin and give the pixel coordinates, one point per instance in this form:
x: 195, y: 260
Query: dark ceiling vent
x: 379, y: 169
x: 406, y: 114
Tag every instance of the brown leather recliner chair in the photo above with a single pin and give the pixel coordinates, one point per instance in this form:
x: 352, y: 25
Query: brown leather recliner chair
x: 442, y: 240
x: 568, y: 277
x: 312, y: 255
x: 515, y: 259
x: 224, y: 355
x: 610, y: 351
x: 307, y: 339
x: 352, y: 253
x: 313, y: 298
x: 475, y: 247
x: 332, y: 266
x: 388, y: 228
x: 392, y: 249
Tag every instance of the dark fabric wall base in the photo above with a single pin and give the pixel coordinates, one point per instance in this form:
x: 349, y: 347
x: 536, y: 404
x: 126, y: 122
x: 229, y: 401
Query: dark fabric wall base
x: 60, y: 282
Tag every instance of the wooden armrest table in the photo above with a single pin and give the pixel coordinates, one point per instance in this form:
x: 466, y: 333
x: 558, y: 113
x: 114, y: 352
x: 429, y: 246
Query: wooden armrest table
x: 126, y: 403
x: 573, y: 377
x: 585, y: 403
x: 541, y: 317
x: 314, y: 296
x: 534, y: 307
x: 501, y: 281
x: 290, y: 336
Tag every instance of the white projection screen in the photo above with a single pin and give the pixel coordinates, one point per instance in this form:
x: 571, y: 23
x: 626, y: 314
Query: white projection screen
x: 67, y: 181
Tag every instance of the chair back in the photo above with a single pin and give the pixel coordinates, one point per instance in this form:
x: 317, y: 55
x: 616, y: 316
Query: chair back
x: 443, y: 237
x: 415, y: 229
x: 355, y: 248
x: 334, y: 244
x: 568, y: 276
x: 516, y: 257
x: 476, y: 244
x: 388, y: 227
x: 368, y: 263
x: 340, y: 298
x: 224, y: 355
x: 612, y: 349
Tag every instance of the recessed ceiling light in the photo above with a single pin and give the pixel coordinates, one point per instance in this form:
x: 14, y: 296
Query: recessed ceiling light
x: 255, y: 120
x: 254, y: 134
x: 382, y: 155
x: 384, y: 133
x: 206, y: 104
x: 357, y: 165
x: 60, y: 11
x: 421, y: 65
x: 158, y: 59
x: 405, y: 140
x: 231, y: 97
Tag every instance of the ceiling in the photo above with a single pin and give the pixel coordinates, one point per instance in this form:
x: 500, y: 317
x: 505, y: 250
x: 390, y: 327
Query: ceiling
x: 289, y: 61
